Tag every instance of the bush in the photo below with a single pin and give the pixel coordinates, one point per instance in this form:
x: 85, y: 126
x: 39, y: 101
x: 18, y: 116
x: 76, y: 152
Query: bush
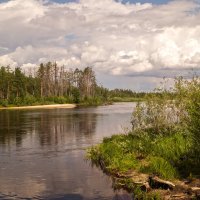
x: 18, y: 101
x: 29, y: 100
x: 4, y: 103
x: 172, y: 124
x: 193, y: 108
x: 60, y: 100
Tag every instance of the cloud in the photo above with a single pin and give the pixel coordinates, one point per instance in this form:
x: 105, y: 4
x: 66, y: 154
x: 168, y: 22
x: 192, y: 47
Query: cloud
x: 114, y: 38
x: 6, y: 60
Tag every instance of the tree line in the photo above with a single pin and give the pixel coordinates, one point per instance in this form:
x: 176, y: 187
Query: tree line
x: 50, y: 83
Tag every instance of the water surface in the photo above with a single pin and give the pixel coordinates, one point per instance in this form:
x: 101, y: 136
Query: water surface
x: 42, y: 152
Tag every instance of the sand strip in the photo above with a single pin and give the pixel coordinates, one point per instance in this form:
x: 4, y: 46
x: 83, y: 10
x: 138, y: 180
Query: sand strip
x: 40, y: 107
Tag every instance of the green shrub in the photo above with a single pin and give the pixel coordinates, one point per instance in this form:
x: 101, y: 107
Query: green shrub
x: 29, y: 100
x: 18, y: 101
x: 4, y: 102
x: 60, y: 100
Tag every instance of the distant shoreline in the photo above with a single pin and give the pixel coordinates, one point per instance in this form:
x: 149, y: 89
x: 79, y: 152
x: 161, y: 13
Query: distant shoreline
x: 40, y: 107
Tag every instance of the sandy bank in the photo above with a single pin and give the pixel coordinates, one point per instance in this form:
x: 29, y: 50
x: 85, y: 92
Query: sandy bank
x: 40, y: 107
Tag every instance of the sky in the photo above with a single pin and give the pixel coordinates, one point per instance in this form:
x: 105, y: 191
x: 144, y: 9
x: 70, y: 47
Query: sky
x: 129, y: 44
x: 124, y: 1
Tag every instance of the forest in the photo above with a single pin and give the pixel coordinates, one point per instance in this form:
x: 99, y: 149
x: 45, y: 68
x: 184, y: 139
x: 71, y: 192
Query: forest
x: 50, y: 83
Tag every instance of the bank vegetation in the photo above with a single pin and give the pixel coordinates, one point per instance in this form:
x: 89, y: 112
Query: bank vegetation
x: 160, y: 157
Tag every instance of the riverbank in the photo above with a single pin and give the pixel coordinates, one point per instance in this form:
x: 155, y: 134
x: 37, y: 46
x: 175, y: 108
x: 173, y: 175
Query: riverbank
x: 160, y: 157
x: 39, y: 107
x: 149, y: 168
x: 50, y: 105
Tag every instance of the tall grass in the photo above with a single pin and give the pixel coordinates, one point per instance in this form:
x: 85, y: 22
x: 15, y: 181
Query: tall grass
x: 160, y: 156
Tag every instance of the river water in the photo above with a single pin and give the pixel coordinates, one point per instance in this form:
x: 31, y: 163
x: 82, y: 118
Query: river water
x: 42, y: 152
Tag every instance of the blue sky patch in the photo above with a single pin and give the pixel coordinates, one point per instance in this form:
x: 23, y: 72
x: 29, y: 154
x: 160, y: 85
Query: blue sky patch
x: 147, y: 1
x: 71, y: 37
x: 64, y: 1
x: 2, y: 1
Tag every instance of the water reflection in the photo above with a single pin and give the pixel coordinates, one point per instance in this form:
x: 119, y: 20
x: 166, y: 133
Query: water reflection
x: 10, y: 129
x: 51, y: 127
x: 42, y: 152
x: 56, y: 129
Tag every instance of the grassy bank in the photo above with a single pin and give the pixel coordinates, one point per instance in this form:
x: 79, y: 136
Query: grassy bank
x: 132, y: 160
x: 154, y: 155
x: 160, y: 157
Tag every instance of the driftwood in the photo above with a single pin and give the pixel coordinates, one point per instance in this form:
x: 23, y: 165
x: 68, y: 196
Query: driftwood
x: 183, y: 190
x: 179, y: 196
x: 195, y: 189
x: 156, y: 182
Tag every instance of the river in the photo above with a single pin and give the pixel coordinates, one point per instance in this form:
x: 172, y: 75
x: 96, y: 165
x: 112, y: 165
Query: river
x: 42, y: 152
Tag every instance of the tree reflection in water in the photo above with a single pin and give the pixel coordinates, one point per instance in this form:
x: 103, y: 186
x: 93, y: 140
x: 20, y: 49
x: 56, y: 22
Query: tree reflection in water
x: 52, y: 128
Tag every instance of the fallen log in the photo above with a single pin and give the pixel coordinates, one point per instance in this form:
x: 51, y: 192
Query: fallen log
x: 158, y: 183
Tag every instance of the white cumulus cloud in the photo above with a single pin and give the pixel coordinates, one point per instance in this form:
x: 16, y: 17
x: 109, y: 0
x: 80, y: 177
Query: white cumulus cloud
x: 114, y: 38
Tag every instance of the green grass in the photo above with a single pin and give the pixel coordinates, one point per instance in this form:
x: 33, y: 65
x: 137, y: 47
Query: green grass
x: 153, y: 155
x: 161, y: 167
x: 140, y: 195
x: 159, y: 155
